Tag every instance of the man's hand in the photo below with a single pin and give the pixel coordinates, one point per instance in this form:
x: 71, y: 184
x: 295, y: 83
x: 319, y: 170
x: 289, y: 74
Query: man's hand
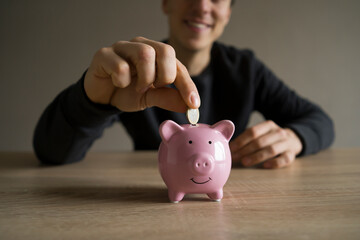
x: 133, y: 76
x: 266, y: 144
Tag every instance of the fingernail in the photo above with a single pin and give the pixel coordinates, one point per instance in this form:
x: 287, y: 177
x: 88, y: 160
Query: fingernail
x: 246, y: 161
x: 194, y: 99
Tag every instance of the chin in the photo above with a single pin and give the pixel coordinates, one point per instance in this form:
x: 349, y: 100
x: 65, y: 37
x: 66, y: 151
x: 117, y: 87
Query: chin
x: 196, y: 45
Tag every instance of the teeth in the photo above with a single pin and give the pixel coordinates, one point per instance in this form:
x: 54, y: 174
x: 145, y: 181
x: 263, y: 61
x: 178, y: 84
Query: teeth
x: 197, y: 25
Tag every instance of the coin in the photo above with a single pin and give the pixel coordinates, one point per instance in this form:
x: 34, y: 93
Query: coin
x: 193, y: 115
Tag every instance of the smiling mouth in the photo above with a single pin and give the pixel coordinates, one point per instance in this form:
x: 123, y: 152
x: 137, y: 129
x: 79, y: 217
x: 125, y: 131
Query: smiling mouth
x: 192, y: 179
x: 197, y: 25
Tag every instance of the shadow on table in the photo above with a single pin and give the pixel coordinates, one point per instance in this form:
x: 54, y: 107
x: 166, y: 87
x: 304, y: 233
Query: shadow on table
x: 115, y: 194
x: 101, y: 194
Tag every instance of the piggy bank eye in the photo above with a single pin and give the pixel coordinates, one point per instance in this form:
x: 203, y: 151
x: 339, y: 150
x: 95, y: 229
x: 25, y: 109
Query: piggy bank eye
x: 190, y: 142
x: 210, y: 142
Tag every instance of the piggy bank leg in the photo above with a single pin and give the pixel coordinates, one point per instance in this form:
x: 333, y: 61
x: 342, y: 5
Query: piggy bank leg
x: 216, y: 196
x: 176, y: 197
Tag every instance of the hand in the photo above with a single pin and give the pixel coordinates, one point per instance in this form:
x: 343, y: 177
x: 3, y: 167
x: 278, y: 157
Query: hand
x: 133, y: 76
x: 266, y: 144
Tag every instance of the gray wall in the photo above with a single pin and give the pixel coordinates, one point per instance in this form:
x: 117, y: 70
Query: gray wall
x: 313, y: 45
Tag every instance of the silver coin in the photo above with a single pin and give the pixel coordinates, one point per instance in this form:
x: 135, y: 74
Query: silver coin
x: 193, y: 115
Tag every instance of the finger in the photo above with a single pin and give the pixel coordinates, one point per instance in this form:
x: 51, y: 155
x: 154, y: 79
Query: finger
x: 173, y: 100
x: 142, y: 57
x: 250, y: 134
x: 106, y: 65
x: 235, y: 157
x: 283, y: 160
x: 109, y: 64
x: 186, y: 87
x: 265, y: 154
x: 263, y: 141
x: 165, y: 61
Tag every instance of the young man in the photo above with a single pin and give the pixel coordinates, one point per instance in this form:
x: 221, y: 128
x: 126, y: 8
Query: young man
x: 129, y: 81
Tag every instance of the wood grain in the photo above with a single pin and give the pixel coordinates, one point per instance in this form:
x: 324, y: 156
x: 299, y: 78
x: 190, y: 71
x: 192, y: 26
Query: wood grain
x: 122, y: 196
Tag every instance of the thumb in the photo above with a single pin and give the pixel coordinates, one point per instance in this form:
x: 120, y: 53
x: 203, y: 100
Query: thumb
x: 165, y: 98
x: 178, y: 100
x: 186, y: 86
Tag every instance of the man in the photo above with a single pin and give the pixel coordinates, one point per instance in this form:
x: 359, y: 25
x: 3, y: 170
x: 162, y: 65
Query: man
x: 129, y: 81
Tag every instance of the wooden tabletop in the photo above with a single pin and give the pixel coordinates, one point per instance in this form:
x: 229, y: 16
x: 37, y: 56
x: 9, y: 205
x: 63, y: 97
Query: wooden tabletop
x: 122, y: 196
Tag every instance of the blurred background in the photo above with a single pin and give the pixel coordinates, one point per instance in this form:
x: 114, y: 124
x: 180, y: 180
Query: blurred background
x: 45, y: 46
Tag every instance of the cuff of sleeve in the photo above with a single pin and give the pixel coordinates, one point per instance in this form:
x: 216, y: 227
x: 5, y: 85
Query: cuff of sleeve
x: 84, y: 112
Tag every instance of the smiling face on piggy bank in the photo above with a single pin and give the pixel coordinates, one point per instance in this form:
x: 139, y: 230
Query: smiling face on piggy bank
x: 195, y: 158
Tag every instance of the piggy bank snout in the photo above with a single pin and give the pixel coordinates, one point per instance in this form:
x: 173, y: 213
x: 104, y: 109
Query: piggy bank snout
x: 202, y: 164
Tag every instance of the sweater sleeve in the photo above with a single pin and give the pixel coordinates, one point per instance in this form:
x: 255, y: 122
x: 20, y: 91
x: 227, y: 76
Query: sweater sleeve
x: 69, y: 126
x: 286, y: 108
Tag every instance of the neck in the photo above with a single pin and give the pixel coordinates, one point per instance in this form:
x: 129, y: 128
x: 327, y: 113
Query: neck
x: 194, y: 60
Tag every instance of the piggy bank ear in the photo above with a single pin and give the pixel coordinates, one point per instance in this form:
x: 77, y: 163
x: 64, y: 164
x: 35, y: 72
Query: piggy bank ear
x: 168, y: 128
x: 226, y: 127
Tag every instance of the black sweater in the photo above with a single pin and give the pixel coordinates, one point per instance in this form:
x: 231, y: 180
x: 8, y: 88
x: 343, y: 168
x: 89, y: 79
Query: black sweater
x: 233, y: 85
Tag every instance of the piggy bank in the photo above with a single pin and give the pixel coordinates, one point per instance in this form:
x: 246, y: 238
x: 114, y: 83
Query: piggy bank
x: 195, y: 158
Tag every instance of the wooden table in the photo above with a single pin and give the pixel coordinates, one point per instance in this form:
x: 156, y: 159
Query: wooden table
x: 122, y: 196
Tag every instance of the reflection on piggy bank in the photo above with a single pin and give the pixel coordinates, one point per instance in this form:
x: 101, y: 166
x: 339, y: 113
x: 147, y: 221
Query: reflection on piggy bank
x: 195, y: 158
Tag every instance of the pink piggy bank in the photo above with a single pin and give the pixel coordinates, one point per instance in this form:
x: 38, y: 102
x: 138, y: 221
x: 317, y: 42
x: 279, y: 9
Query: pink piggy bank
x: 195, y: 158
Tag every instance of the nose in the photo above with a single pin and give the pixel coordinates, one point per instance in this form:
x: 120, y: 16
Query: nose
x: 202, y: 6
x: 202, y: 164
